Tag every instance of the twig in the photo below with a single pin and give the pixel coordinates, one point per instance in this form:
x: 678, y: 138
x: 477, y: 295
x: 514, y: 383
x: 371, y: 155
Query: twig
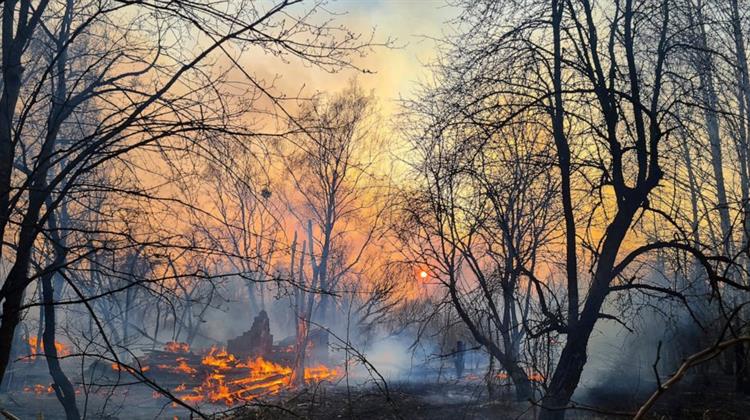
x: 655, y: 366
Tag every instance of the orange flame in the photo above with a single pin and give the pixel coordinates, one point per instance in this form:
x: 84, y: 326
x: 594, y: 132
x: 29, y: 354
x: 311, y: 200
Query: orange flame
x: 122, y: 367
x: 182, y: 367
x: 536, y: 377
x: 39, y: 389
x: 219, y: 359
x: 502, y: 376
x: 177, y: 347
x: 231, y: 381
x: 533, y: 376
x: 319, y: 373
x: 62, y: 350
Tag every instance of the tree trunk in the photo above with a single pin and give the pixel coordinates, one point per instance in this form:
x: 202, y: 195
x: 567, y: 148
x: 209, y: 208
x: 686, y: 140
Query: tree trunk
x: 517, y: 374
x: 63, y: 388
x: 743, y: 97
x: 14, y: 287
x: 574, y: 354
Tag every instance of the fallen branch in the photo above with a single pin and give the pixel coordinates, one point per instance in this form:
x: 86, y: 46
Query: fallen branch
x: 695, y: 359
x: 8, y: 415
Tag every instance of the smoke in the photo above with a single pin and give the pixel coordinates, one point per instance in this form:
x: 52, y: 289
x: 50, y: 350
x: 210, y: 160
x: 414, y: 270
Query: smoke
x: 622, y: 358
x: 620, y: 361
x: 395, y: 358
x: 391, y: 357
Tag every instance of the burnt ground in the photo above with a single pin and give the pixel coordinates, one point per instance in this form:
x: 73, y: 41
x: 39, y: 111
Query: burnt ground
x: 694, y: 397
x: 405, y: 401
x: 453, y: 401
x: 449, y: 400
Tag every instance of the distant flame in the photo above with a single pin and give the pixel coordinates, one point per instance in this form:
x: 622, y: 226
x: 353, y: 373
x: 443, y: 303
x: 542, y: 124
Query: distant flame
x: 39, y: 389
x: 177, y: 347
x: 533, y: 376
x: 536, y: 377
x: 62, y: 349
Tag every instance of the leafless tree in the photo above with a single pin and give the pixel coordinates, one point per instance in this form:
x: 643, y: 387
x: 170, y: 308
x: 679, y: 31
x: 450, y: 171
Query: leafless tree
x: 481, y: 217
x: 104, y: 98
x: 613, y: 84
x: 332, y: 162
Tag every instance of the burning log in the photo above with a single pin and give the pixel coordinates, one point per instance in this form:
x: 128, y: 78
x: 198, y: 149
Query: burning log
x: 231, y: 381
x: 253, y: 388
x: 220, y: 376
x: 174, y: 362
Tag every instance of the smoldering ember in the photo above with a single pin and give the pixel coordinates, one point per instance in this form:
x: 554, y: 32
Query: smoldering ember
x: 375, y: 209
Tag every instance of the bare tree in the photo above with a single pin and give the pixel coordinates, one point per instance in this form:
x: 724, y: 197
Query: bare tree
x: 332, y: 165
x: 117, y: 105
x: 481, y: 216
x: 608, y: 81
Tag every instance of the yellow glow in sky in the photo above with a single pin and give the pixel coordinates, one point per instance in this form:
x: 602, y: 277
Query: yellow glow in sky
x: 411, y: 24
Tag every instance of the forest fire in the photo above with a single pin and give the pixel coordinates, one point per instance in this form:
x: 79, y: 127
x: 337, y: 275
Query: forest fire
x: 219, y: 359
x: 177, y: 347
x: 35, y: 343
x: 39, y: 389
x: 219, y: 377
x: 375, y: 209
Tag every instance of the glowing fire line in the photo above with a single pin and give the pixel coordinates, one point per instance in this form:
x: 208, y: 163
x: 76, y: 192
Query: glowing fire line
x: 261, y: 377
x: 228, y: 380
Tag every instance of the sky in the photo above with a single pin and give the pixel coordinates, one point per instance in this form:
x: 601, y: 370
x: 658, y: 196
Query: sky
x: 410, y: 23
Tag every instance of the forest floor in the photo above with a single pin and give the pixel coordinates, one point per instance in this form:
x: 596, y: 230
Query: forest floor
x: 450, y: 400
x: 453, y: 401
